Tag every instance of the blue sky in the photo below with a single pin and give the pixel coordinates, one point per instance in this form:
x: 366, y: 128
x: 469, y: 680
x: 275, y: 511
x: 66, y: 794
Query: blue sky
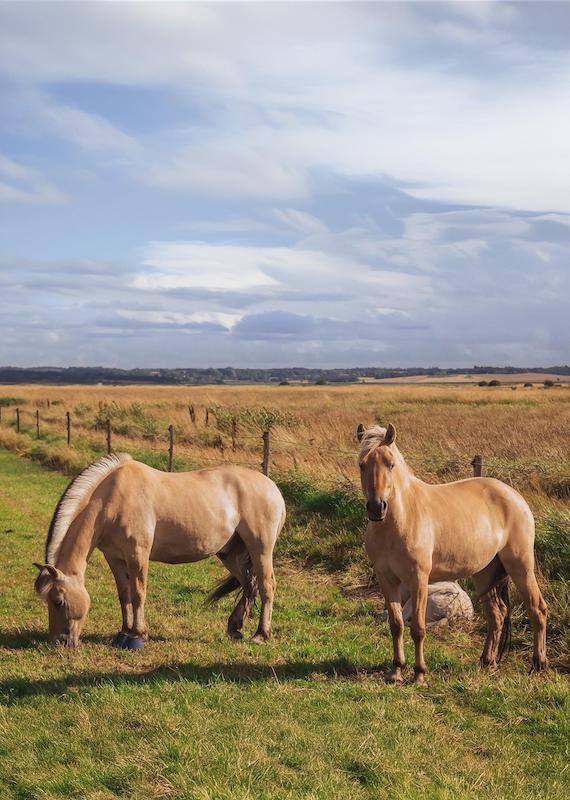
x: 270, y: 184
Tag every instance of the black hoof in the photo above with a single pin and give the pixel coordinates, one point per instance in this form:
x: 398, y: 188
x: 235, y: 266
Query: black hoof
x: 120, y: 640
x: 135, y: 643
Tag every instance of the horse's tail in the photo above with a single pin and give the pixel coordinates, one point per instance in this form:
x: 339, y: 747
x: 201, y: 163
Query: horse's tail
x: 502, y: 586
x: 236, y: 558
x: 223, y: 588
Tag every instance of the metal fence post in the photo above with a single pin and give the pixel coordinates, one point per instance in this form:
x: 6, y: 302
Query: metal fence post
x: 109, y: 435
x: 68, y: 426
x: 170, y: 447
x: 477, y: 465
x: 265, y: 462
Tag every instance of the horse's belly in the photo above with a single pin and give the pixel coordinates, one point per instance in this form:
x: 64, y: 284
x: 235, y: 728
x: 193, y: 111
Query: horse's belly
x: 177, y: 546
x: 464, y: 558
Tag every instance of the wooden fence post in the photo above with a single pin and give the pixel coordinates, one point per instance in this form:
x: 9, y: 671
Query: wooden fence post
x: 37, y: 423
x: 234, y: 435
x: 68, y: 426
x: 265, y: 462
x: 192, y: 412
x: 0, y: 415
x: 206, y: 418
x: 170, y: 447
x: 109, y: 435
x: 477, y: 465
x: 17, y: 420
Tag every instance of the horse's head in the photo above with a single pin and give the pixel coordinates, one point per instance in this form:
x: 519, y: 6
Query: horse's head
x: 377, y: 462
x: 67, y: 601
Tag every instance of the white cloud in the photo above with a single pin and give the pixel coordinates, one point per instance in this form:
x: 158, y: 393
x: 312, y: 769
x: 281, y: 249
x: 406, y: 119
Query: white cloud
x: 288, y: 90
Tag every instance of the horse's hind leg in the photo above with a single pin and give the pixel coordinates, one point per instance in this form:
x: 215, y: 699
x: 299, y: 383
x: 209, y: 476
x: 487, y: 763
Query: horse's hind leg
x: 238, y: 562
x: 495, y: 610
x: 524, y: 578
x: 263, y: 566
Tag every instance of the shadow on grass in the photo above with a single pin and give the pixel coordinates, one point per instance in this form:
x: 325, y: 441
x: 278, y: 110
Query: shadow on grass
x: 14, y: 689
x: 23, y: 640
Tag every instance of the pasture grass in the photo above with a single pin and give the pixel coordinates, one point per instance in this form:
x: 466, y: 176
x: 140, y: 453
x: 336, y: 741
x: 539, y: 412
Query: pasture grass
x: 306, y: 716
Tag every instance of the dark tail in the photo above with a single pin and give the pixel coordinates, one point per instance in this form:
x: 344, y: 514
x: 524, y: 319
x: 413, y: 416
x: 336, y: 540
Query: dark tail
x: 503, y: 594
x: 223, y: 588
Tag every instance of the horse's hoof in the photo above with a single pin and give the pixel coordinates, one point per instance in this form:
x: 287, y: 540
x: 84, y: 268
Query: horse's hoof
x: 420, y: 680
x: 259, y: 638
x: 394, y: 680
x: 235, y: 636
x: 135, y: 642
x: 120, y: 640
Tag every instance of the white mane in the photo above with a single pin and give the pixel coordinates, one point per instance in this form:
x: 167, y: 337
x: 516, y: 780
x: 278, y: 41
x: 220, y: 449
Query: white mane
x: 72, y: 497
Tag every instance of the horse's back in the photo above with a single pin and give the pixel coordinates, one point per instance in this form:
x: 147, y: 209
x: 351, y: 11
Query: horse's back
x: 189, y: 515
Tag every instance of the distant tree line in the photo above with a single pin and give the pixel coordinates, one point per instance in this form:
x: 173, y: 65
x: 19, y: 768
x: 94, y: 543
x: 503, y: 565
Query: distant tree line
x: 191, y: 375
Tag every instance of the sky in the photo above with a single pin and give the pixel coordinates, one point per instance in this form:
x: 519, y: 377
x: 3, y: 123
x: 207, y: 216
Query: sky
x: 284, y: 184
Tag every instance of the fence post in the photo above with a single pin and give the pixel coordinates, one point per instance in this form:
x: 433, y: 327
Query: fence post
x: 0, y: 415
x: 477, y: 465
x: 206, y: 418
x: 170, y: 447
x: 17, y: 420
x: 265, y: 462
x: 192, y: 412
x: 37, y: 423
x: 234, y: 435
x: 68, y: 426
x: 109, y: 435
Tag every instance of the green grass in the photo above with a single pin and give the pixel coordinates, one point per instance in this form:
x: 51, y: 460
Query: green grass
x: 197, y: 716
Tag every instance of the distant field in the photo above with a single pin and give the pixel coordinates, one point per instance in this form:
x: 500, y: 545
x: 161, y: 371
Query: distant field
x: 536, y: 378
x: 307, y: 716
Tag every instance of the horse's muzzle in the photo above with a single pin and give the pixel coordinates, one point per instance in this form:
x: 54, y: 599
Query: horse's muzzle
x: 377, y: 510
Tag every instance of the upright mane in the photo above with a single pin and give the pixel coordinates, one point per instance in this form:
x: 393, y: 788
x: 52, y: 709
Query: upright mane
x: 65, y: 510
x: 372, y: 438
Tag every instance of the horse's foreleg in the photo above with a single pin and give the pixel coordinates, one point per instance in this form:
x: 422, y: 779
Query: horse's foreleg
x: 138, y: 570
x: 419, y: 594
x: 119, y: 569
x: 392, y: 596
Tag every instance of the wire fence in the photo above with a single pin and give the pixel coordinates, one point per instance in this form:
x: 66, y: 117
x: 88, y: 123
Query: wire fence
x: 264, y: 444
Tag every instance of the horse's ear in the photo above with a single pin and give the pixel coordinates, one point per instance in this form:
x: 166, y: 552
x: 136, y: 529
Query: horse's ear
x: 390, y: 436
x: 360, y: 432
x: 52, y: 571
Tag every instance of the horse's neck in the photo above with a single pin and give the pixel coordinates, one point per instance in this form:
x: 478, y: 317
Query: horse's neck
x: 403, y: 503
x: 77, y: 544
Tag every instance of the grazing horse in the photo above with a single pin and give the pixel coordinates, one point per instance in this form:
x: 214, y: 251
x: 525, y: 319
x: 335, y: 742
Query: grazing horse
x: 135, y: 514
x: 420, y: 533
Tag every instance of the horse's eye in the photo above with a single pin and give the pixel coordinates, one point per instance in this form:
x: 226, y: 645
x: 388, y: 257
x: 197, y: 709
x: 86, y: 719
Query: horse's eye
x: 392, y: 467
x: 59, y: 602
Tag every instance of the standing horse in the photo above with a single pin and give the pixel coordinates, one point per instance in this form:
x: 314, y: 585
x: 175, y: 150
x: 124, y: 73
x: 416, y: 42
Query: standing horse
x: 419, y: 533
x: 134, y: 514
